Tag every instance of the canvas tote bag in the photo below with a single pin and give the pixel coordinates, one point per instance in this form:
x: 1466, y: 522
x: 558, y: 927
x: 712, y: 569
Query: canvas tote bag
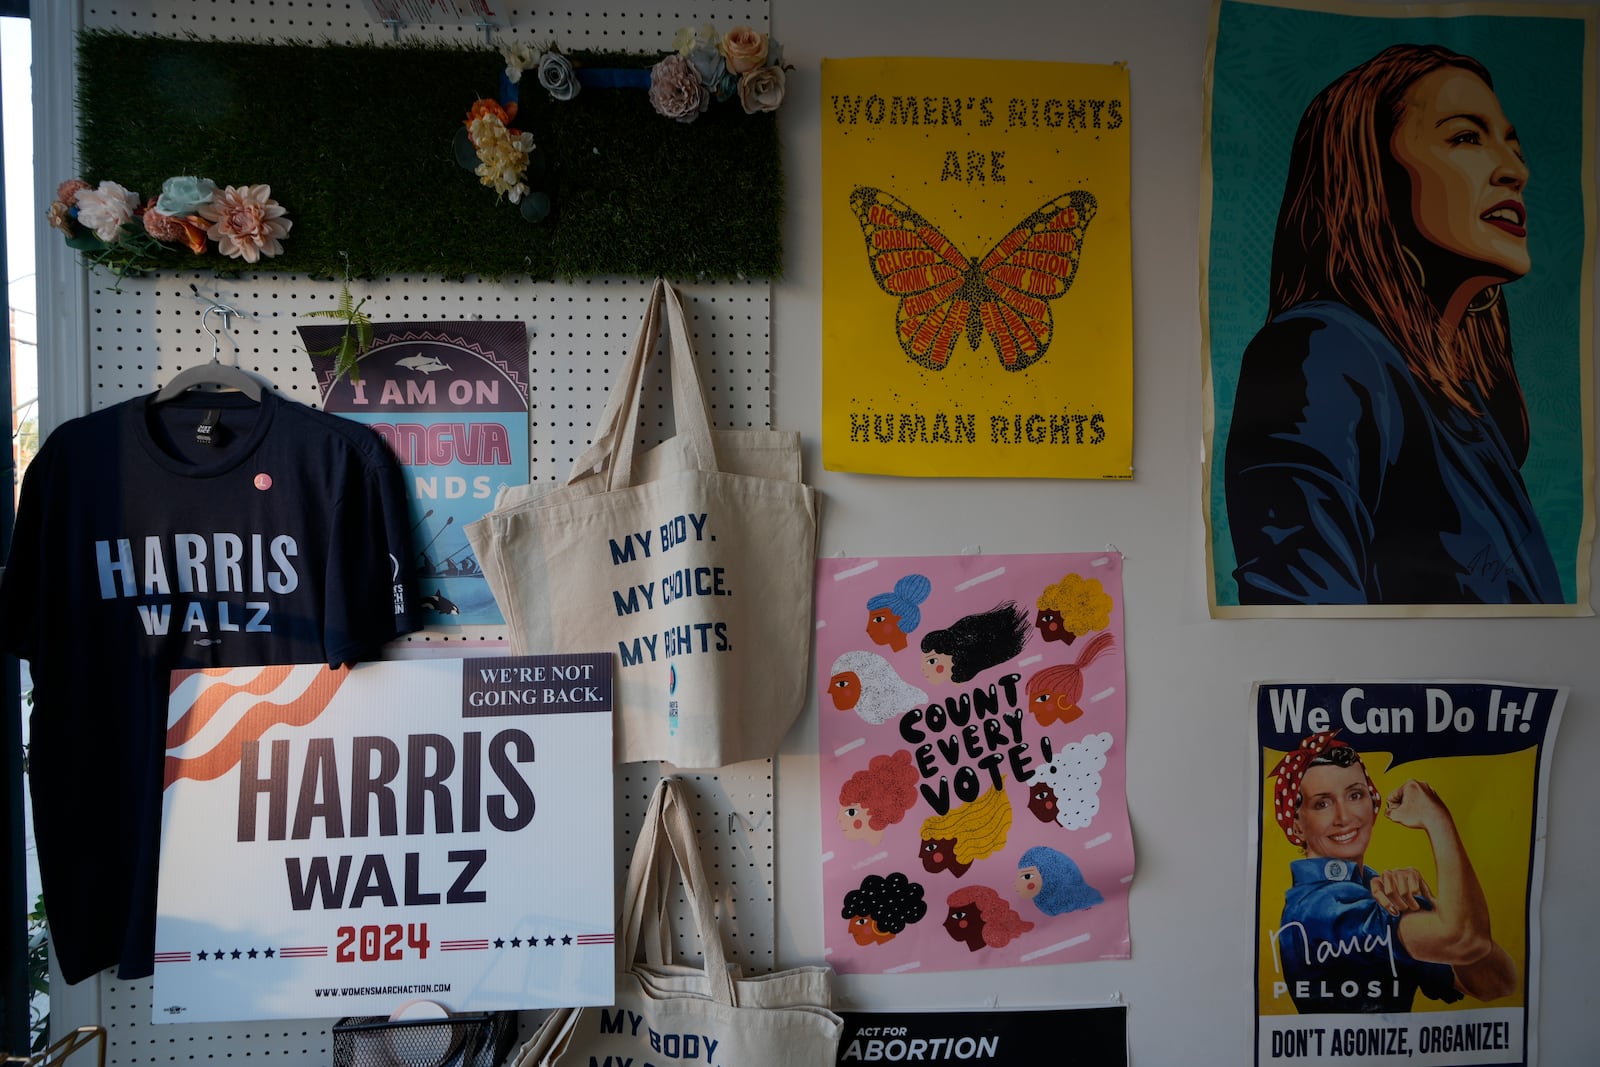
x: 666, y: 1011
x: 697, y: 574
x: 653, y: 873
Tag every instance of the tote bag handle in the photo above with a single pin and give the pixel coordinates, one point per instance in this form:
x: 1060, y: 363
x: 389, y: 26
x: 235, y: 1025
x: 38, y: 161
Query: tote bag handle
x: 697, y: 888
x: 644, y: 897
x: 624, y: 387
x: 667, y: 841
x: 616, y: 434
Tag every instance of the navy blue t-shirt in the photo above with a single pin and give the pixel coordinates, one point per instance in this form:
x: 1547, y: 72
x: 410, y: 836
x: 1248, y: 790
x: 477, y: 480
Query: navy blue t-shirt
x: 140, y: 548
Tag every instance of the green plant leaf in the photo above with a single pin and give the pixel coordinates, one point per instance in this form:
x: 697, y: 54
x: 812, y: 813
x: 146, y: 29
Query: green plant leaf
x: 356, y: 340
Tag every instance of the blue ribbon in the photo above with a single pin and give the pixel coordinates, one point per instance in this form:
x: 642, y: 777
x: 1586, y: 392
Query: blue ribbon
x: 589, y: 78
x: 614, y: 77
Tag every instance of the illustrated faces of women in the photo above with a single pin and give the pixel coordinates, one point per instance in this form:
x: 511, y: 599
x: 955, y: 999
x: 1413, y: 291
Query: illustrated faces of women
x: 856, y: 823
x: 1048, y: 623
x: 936, y: 666
x: 1467, y: 173
x: 1028, y: 882
x: 1042, y: 802
x: 883, y: 626
x: 1050, y: 708
x: 845, y: 689
x: 1336, y: 812
x: 865, y: 931
x: 965, y: 925
x: 939, y: 854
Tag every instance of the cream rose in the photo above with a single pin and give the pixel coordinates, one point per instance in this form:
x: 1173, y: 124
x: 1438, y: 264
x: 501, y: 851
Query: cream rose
x: 744, y: 49
x: 761, y: 89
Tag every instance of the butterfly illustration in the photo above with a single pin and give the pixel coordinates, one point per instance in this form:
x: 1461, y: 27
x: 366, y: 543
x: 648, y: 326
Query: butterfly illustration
x: 943, y: 294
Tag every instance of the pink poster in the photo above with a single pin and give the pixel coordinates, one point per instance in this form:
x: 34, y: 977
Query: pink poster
x: 972, y: 729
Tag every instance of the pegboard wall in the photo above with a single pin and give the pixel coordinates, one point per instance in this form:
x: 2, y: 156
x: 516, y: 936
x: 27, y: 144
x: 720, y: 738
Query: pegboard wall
x: 632, y: 25
x: 578, y: 334
x: 140, y: 337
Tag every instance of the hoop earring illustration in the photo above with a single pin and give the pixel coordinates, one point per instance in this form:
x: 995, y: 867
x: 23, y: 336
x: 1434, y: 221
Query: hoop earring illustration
x: 1489, y: 298
x: 1416, y: 265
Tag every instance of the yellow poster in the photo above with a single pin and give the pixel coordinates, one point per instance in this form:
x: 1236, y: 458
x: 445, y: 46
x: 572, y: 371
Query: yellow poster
x: 1400, y: 853
x: 977, y: 308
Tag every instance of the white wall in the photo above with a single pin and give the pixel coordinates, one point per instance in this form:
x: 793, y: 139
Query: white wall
x: 1189, y: 983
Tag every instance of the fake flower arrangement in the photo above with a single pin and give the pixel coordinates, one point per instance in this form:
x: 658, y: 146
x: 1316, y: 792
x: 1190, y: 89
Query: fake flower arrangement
x: 500, y: 154
x: 555, y: 72
x: 704, y: 67
x: 502, y: 150
x: 114, y: 230
x: 707, y: 66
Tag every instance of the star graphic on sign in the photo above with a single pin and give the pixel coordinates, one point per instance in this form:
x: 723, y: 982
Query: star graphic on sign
x: 202, y: 955
x: 218, y: 954
x: 269, y: 953
x: 254, y: 953
x: 549, y: 940
x: 237, y: 953
x: 566, y: 939
x: 516, y: 942
x: 499, y: 942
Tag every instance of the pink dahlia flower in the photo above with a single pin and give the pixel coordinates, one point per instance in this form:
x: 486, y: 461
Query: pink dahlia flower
x: 246, y: 222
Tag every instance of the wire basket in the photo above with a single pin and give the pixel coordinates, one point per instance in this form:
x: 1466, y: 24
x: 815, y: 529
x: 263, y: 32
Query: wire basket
x: 459, y: 1041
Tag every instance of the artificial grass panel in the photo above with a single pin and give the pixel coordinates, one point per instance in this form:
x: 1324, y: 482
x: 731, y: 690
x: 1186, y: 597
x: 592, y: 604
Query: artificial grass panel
x: 355, y: 141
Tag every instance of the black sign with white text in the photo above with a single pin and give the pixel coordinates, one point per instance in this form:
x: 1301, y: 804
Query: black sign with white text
x: 1077, y: 1037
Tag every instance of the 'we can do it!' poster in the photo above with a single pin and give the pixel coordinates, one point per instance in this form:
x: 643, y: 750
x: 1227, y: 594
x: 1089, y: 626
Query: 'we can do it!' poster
x: 973, y: 761
x: 977, y: 295
x: 1401, y: 853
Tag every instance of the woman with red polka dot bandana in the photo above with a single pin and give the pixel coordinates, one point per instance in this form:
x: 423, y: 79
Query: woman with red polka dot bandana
x: 1353, y: 939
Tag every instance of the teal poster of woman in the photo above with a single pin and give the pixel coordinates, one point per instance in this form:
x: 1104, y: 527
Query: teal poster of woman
x: 1397, y: 248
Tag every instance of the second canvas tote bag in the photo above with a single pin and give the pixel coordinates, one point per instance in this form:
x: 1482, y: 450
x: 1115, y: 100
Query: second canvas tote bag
x: 662, y: 1010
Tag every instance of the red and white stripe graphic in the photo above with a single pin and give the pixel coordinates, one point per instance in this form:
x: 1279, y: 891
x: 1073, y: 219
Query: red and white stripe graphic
x: 240, y: 704
x: 301, y: 952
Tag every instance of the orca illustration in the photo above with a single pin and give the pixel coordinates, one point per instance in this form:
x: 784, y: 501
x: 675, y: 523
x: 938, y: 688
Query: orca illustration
x: 420, y: 362
x: 436, y: 601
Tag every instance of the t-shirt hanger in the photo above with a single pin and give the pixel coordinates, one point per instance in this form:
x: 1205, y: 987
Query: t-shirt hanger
x: 215, y: 372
